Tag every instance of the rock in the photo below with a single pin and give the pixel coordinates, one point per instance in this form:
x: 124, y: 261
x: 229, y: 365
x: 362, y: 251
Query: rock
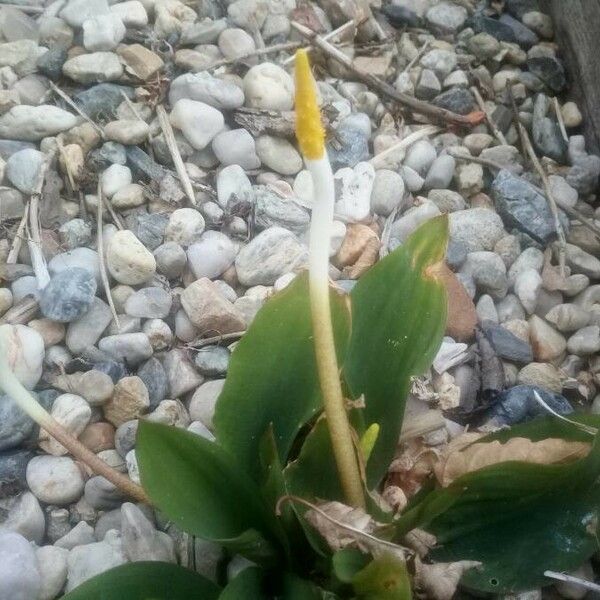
x: 75, y: 233
x: 387, y: 193
x: 476, y: 228
x: 544, y: 375
x: 420, y: 156
x: 132, y: 348
x: 447, y: 201
x: 86, y: 331
x: 98, y: 437
x: 153, y: 374
x: 428, y: 86
x: 571, y: 115
x: 212, y: 361
x: 507, y: 345
x: 411, y: 219
x: 102, y: 100
x: 568, y: 317
x: 19, y: 574
x: 13, y: 465
x: 527, y: 288
x: 446, y: 17
x: 180, y: 372
x: 441, y: 172
x: 272, y: 253
x: 139, y: 61
x: 55, y: 479
x: 141, y: 541
x: 212, y: 255
x: 483, y: 45
x: 26, y: 518
x: 351, y: 146
x: 86, y: 561
x: 235, y: 43
x: 549, y: 70
x: 278, y: 154
x: 582, y: 262
x: 521, y: 206
x: 132, y: 13
x: 562, y: 191
x: 209, y: 310
x: 23, y: 169
x: 583, y: 175
x: 52, y: 565
x: 103, y: 32
x: 547, y: 343
x: 130, y: 399
x: 32, y: 123
x: 271, y: 210
x: 101, y: 494
x: 400, y: 16
x: 202, y: 404
x: 127, y: 131
x: 170, y: 260
x: 236, y: 147
x: 81, y: 534
x: 233, y: 186
x: 73, y: 413
x: 69, y: 295
x: 77, y: 11
x: 115, y: 178
x: 96, y: 67
x: 198, y: 121
x: 488, y: 272
x: 458, y: 100
x: 268, y: 86
x: 518, y: 404
x: 462, y: 317
x: 441, y: 62
x: 203, y: 87
x: 185, y: 226
x: 585, y: 341
x: 149, y: 303
x: 24, y: 349
x: 353, y: 197
x: 127, y: 260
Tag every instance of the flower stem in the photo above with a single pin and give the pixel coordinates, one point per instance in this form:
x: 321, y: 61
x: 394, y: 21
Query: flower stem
x: 327, y: 366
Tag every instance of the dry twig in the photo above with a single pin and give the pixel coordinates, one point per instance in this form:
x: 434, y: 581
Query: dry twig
x: 376, y: 161
x: 559, y: 118
x: 15, y: 248
x: 499, y: 135
x: 225, y: 337
x: 76, y: 108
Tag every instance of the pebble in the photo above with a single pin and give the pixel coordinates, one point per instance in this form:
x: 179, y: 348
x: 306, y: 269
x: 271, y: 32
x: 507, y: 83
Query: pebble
x: 95, y: 67
x: 278, y: 154
x: 24, y: 351
x: 103, y: 32
x: 208, y: 310
x: 73, y: 413
x: 447, y: 201
x: 446, y: 17
x: 581, y: 262
x: 52, y: 565
x: 19, y: 573
x: 488, y: 272
x: 81, y: 534
x: 131, y: 12
x: 85, y: 331
x: 476, y: 228
x: 236, y: 147
x: 127, y: 131
x: 26, y: 518
x: 584, y: 342
x: 571, y: 115
x: 202, y: 404
x: 55, y: 479
x: 130, y: 399
x: 128, y: 260
x: 185, y: 227
x: 420, y: 157
x: 32, y: 123
x: 568, y: 317
x: 153, y: 374
x: 212, y: 361
x: 180, y: 372
x: 69, y: 295
x: 353, y: 192
x: 548, y: 344
x: 115, y: 178
x: 23, y: 169
x: 527, y: 286
x: 141, y: 541
x: 199, y: 122
x: 441, y: 172
x: 267, y: 86
x: 271, y: 210
x: 13, y: 465
x: 211, y: 255
x: 132, y: 348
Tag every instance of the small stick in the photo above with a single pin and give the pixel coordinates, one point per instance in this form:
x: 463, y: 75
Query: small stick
x: 61, y: 149
x: 405, y: 143
x: 225, y: 337
x: 477, y: 159
x: 18, y: 239
x: 499, y: 135
x: 258, y: 52
x: 76, y: 108
x: 588, y: 585
x: 38, y: 262
x: 131, y: 107
x: 559, y: 118
x: 167, y: 130
x: 420, y: 53
x: 419, y: 106
x: 100, y: 248
x: 22, y: 312
x: 332, y: 35
x: 111, y: 212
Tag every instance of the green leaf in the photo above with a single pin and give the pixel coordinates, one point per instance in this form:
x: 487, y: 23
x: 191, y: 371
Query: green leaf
x: 203, y: 491
x: 247, y: 585
x: 384, y: 578
x: 272, y: 376
x: 295, y: 588
x: 348, y: 562
x: 398, y: 321
x: 518, y: 519
x: 146, y: 581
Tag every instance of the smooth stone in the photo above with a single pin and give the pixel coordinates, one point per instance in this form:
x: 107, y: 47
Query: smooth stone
x: 69, y: 295
x: 159, y: 333
x: 547, y: 343
x: 130, y: 399
x: 153, y: 374
x: 488, y: 272
x: 170, y: 259
x: 208, y: 310
x: 584, y: 173
x: 96, y: 67
x: 55, y: 479
x: 233, y: 186
x: 271, y: 254
x: 26, y: 518
x: 476, y: 228
x: 140, y: 539
x: 549, y: 70
x: 127, y: 131
x: 140, y: 61
x: 441, y: 62
x: 52, y: 565
x: 132, y: 348
x: 447, y: 201
x: 101, y: 494
x: 75, y: 234
x: 149, y: 303
x: 267, y: 86
x: 73, y: 413
x: 428, y: 86
x: 23, y: 169
x: 125, y: 437
x: 19, y: 573
x: 530, y: 258
x: 507, y: 345
x: 350, y: 148
x: 185, y: 227
x: 92, y: 559
x: 148, y: 228
x: 203, y: 402
x: 127, y: 260
x: 527, y: 288
x: 131, y: 12
x: 102, y: 100
x: 562, y: 191
x: 278, y: 154
x: 86, y: 331
x: 198, y: 121
x: 24, y: 348
x: 486, y: 309
x: 236, y: 147
x: 413, y: 181
x: 581, y: 262
x: 458, y: 100
x: 584, y: 342
x: 33, y: 123
x: 420, y: 156
x: 446, y: 17
x: 571, y: 115
x: 353, y: 192
x: 212, y: 361
x: 387, y: 193
x: 81, y: 534
x: 212, y: 255
x: 180, y: 371
x: 13, y: 465
x: 272, y: 210
x: 410, y: 220
x: 441, y: 172
x: 75, y: 12
x: 568, y: 317
x: 203, y: 87
x: 103, y: 32
x: 521, y: 206
x: 114, y: 178
x: 93, y: 385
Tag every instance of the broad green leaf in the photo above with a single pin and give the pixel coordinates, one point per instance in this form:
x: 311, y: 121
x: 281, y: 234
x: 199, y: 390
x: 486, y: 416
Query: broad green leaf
x: 247, y: 585
x: 146, y: 581
x: 518, y: 519
x: 204, y: 492
x: 295, y: 588
x: 384, y: 578
x: 348, y: 562
x: 398, y: 320
x: 272, y: 376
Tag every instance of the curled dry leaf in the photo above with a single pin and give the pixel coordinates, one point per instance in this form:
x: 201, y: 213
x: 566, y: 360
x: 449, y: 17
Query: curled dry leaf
x: 462, y: 456
x: 413, y: 467
x: 439, y: 581
x: 420, y: 541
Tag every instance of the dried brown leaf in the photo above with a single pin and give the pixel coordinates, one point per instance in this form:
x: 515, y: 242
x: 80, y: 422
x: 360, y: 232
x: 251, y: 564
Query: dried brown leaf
x: 462, y: 456
x: 439, y: 581
x: 413, y: 467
